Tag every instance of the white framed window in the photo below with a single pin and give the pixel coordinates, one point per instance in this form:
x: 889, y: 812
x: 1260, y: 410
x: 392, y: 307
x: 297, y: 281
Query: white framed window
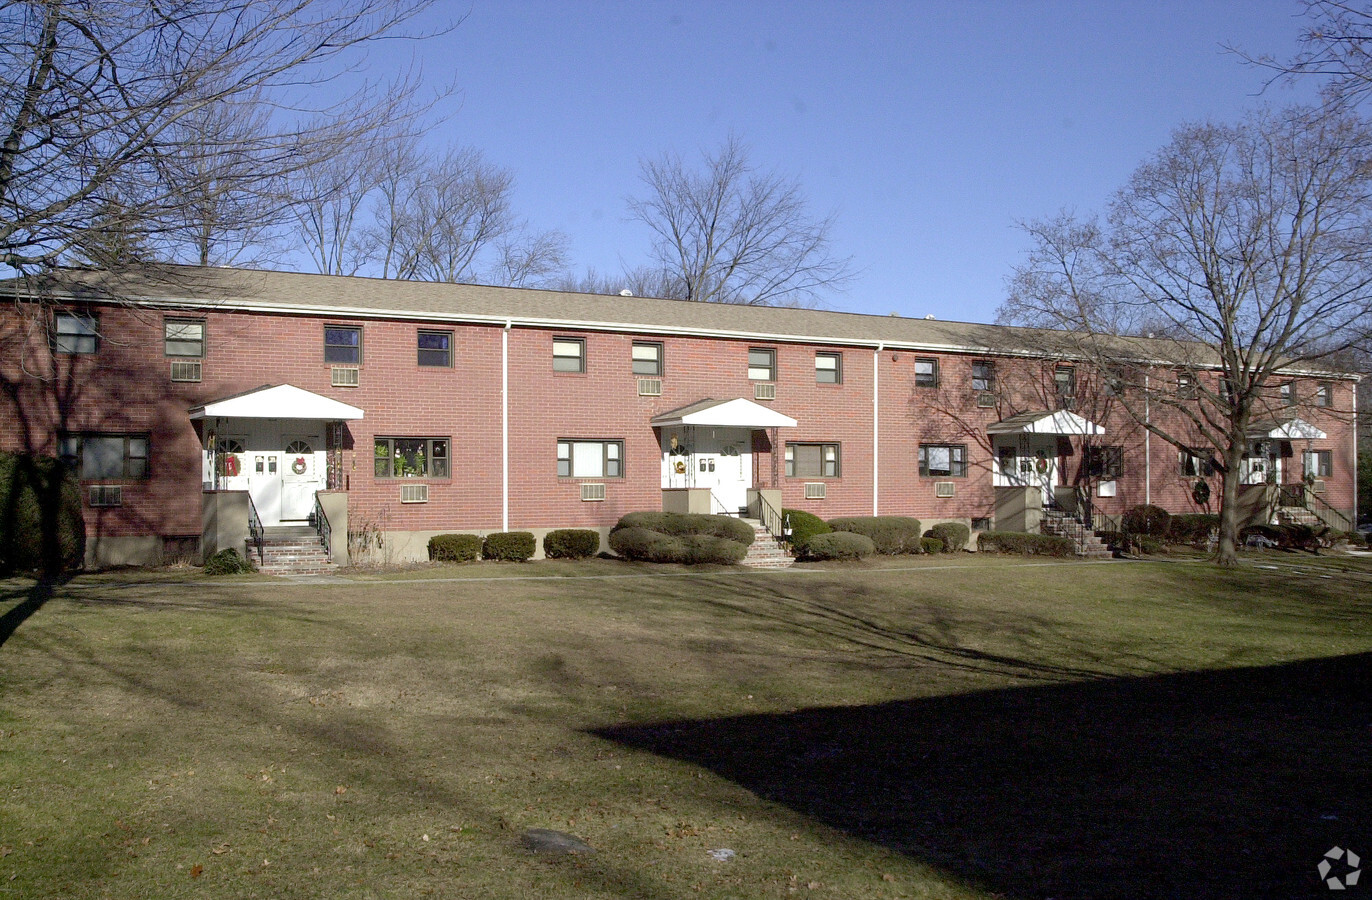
x: 183, y: 338
x: 569, y: 354
x: 762, y: 364
x: 397, y: 457
x: 96, y: 456
x: 75, y: 333
x: 828, y: 368
x: 943, y: 460
x: 646, y: 357
x: 805, y: 460
x: 590, y: 459
x: 1318, y: 463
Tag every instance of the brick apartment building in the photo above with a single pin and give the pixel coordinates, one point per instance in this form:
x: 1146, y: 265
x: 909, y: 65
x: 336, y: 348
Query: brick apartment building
x: 398, y: 410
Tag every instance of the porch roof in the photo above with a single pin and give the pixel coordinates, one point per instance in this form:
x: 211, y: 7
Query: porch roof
x: 1286, y: 430
x: 277, y: 401
x: 737, y: 413
x: 1048, y: 421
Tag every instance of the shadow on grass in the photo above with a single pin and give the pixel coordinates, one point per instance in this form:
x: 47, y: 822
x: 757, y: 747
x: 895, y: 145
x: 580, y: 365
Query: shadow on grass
x: 31, y: 599
x: 1216, y: 784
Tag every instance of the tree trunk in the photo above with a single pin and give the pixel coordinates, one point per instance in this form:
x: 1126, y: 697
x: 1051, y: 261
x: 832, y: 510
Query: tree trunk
x: 1227, y: 552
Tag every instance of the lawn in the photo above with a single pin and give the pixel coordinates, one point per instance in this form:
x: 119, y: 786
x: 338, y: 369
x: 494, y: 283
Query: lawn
x: 957, y: 727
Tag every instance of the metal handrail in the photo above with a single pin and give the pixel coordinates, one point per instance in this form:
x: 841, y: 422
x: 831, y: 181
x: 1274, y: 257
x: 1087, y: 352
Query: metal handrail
x: 320, y: 520
x: 777, y: 525
x: 716, y: 503
x: 1301, y: 495
x: 255, y: 530
x: 1055, y: 513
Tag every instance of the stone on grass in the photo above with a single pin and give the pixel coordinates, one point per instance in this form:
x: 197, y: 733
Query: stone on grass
x: 554, y: 843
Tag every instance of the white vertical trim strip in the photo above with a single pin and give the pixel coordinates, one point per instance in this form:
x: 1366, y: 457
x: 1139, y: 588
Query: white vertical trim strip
x: 505, y: 426
x: 876, y: 429
x: 1355, y: 453
x: 1147, y: 444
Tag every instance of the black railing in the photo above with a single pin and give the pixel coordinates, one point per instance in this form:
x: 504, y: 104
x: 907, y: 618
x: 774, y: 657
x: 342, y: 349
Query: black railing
x: 1300, y: 495
x: 777, y: 525
x: 320, y: 520
x: 255, y: 530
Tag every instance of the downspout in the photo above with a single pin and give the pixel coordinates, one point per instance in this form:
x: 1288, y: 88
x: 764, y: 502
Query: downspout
x: 1147, y: 444
x: 505, y: 425
x: 1355, y: 454
x: 876, y: 428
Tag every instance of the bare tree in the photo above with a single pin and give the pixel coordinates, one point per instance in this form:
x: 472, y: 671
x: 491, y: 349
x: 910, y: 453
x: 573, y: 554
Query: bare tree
x: 644, y: 281
x: 1248, y: 248
x: 733, y: 234
x: 328, y: 201
x: 104, y: 105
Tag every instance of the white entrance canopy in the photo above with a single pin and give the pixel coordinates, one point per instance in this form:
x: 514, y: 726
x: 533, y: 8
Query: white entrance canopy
x: 1059, y: 422
x: 1289, y: 430
x: 281, y: 401
x: 737, y: 413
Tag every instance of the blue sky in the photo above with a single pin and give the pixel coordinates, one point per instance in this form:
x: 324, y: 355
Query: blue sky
x: 930, y: 128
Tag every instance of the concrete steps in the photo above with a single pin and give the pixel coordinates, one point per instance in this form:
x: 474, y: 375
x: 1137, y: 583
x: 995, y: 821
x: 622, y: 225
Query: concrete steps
x: 765, y: 552
x: 1296, y: 515
x: 1088, y: 545
x: 291, y: 550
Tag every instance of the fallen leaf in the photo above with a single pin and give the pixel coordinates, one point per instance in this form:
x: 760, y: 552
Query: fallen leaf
x: 220, y: 850
x: 196, y: 870
x: 340, y: 790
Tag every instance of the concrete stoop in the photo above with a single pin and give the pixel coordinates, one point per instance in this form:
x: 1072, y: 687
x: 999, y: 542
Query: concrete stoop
x: 287, y: 551
x: 1088, y: 545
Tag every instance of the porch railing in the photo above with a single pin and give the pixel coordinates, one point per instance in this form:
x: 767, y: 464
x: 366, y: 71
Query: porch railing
x: 718, y: 508
x: 777, y: 524
x: 1300, y: 495
x: 255, y: 530
x: 320, y: 520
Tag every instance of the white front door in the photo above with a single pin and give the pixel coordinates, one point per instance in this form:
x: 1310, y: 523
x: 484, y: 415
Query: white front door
x: 723, y: 462
x: 302, y: 474
x: 280, y: 463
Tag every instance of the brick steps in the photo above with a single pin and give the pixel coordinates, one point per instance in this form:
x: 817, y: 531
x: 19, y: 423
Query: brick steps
x: 292, y: 555
x: 1088, y: 545
x: 1295, y: 515
x: 765, y: 552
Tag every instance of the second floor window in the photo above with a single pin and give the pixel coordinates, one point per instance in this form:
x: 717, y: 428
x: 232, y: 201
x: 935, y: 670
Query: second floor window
x: 647, y: 358
x: 983, y: 376
x: 569, y: 355
x: 762, y: 364
x: 75, y: 333
x: 183, y: 337
x: 828, y: 368
x: 1065, y: 386
x: 926, y: 372
x: 435, y: 348
x: 342, y: 345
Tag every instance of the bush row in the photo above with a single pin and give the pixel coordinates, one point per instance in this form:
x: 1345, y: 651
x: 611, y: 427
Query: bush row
x: 510, y: 546
x: 689, y: 539
x: 1025, y: 544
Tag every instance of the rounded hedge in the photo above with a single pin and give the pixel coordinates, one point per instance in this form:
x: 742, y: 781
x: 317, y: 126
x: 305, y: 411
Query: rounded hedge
x: 638, y: 543
x: 954, y: 535
x: 930, y: 545
x: 1025, y: 544
x: 891, y: 535
x: 455, y: 547
x: 227, y: 562
x: 1193, y: 528
x: 1145, y: 519
x: 804, y: 526
x: 571, y: 543
x: 509, y: 546
x: 681, y: 524
x: 41, y: 525
x: 838, y: 545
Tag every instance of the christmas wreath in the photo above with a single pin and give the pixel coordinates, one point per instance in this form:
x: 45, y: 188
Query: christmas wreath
x: 298, y: 467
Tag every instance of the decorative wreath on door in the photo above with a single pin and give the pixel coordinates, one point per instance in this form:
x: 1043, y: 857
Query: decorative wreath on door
x: 680, y: 467
x: 298, y: 466
x: 1042, y: 465
x: 231, y: 464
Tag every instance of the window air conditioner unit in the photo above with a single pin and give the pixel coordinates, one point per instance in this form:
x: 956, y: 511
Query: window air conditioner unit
x: 593, y: 491
x: 1317, y: 487
x: 815, y: 491
x: 650, y: 387
x: 986, y: 400
x: 345, y: 376
x: 106, y: 495
x: 182, y: 370
x: 944, y: 488
x: 414, y: 493
x: 764, y: 392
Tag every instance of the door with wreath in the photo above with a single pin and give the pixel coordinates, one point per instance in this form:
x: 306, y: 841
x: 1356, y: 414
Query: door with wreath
x: 302, y: 474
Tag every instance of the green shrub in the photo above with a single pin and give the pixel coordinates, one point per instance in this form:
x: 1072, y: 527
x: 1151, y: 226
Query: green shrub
x: 804, y: 526
x: 1115, y: 540
x: 930, y: 545
x: 571, y: 543
x: 891, y: 535
x: 1151, y: 545
x: 510, y: 546
x: 1356, y: 539
x: 41, y: 526
x: 1149, y: 520
x: 1026, y: 544
x: 838, y: 545
x: 228, y: 562
x: 1193, y: 528
x: 455, y: 547
x: 682, y: 524
x: 653, y: 546
x: 954, y: 535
